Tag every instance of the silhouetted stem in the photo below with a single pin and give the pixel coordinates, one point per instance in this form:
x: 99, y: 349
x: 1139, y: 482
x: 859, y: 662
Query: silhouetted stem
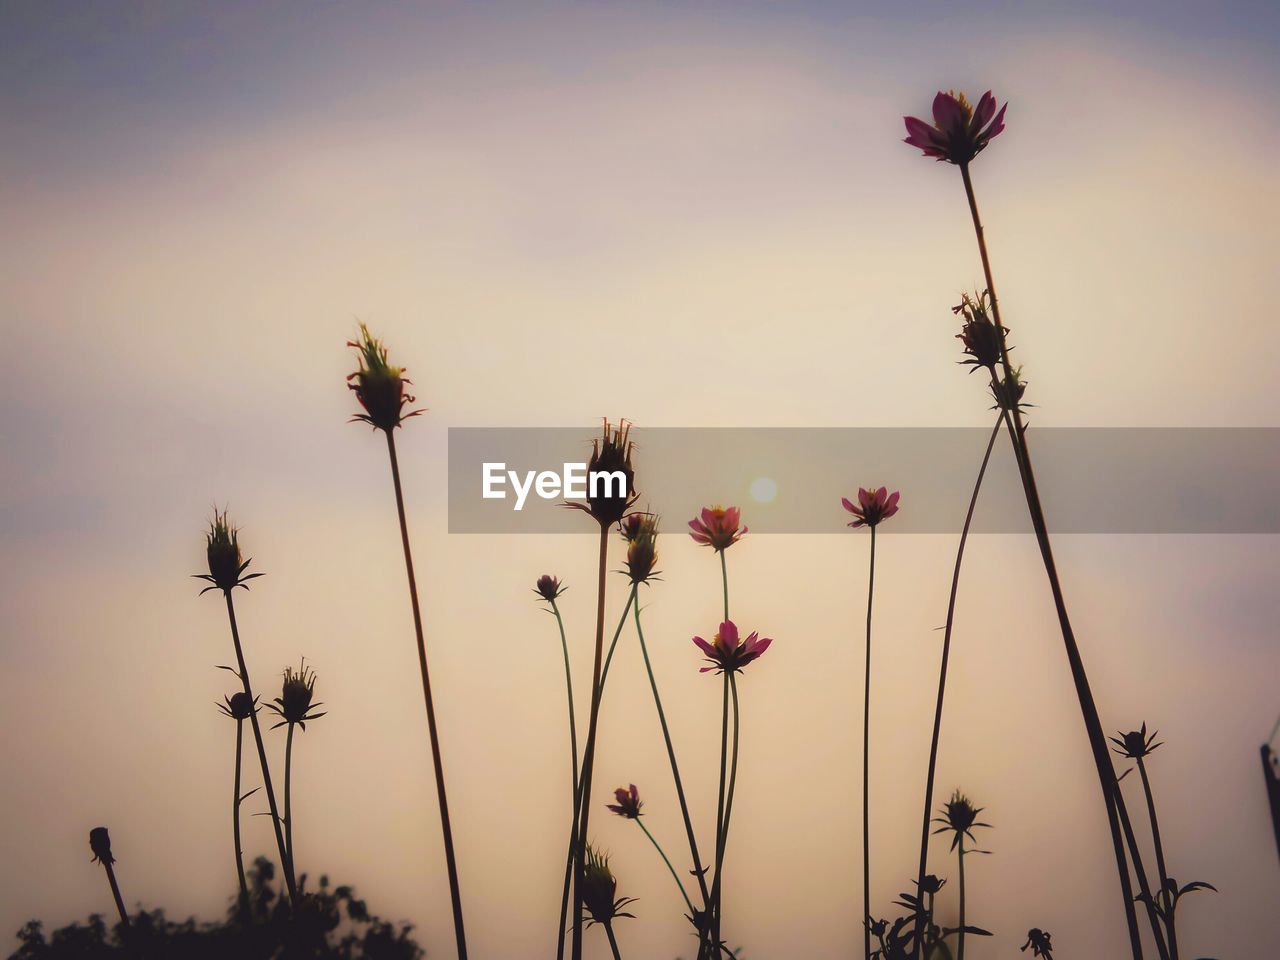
x: 866, y: 763
x: 441, y: 796
x: 946, y: 657
x: 568, y: 682
x: 717, y: 890
x: 288, y: 792
x: 1165, y: 893
x: 674, y: 876
x: 235, y: 825
x: 1141, y: 873
x: 1272, y: 779
x: 724, y: 578
x: 588, y: 761
x: 1088, y: 707
x: 724, y: 766
x: 613, y: 941
x: 613, y: 644
x: 115, y: 892
x: 285, y: 863
x: 960, y: 875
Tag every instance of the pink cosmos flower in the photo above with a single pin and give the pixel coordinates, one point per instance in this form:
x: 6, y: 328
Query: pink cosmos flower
x: 959, y: 132
x: 872, y: 507
x: 717, y: 527
x: 726, y: 653
x: 629, y: 802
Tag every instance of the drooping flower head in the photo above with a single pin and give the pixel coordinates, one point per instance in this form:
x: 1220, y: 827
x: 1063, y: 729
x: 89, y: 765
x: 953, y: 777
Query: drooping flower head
x: 960, y: 816
x: 222, y: 550
x: 1039, y: 943
x: 1136, y: 744
x: 642, y: 549
x: 238, y: 706
x: 378, y: 385
x: 548, y: 587
x: 726, y: 653
x: 717, y: 527
x: 629, y: 802
x: 1008, y: 394
x: 959, y: 132
x: 612, y: 491
x: 100, y: 844
x: 873, y: 506
x: 598, y: 888
x: 983, y: 340
x: 294, y: 705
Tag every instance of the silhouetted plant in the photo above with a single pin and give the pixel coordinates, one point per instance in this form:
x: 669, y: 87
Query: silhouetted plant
x: 239, y: 707
x: 100, y: 844
x: 628, y: 805
x: 1039, y: 943
x: 549, y: 589
x: 960, y: 817
x: 600, y: 903
x: 380, y: 388
x: 294, y: 706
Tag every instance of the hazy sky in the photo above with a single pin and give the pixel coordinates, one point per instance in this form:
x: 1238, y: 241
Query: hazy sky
x: 689, y: 215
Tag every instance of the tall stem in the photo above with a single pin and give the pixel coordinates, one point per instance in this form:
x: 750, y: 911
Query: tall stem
x: 286, y: 863
x: 568, y: 683
x: 1165, y: 894
x: 717, y: 890
x: 866, y: 764
x: 960, y: 873
x: 1088, y: 708
x: 1141, y: 872
x: 946, y: 657
x: 588, y: 760
x: 443, y: 800
x: 235, y: 824
x: 665, y: 859
x: 115, y: 892
x: 724, y: 578
x: 724, y: 763
x: 613, y: 941
x: 288, y: 792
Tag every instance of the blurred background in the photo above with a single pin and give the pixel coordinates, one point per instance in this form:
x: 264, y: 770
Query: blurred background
x: 693, y: 214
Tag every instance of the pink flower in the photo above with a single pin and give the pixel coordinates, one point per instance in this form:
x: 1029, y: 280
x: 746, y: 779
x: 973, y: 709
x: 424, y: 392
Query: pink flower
x: 959, y: 132
x: 629, y: 802
x: 726, y: 653
x: 717, y: 527
x: 872, y: 507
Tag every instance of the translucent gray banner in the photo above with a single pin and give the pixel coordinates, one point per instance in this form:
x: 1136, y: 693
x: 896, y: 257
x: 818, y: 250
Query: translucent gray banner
x: 790, y: 480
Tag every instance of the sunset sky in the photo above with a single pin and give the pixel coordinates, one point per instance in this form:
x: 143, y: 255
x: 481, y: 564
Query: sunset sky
x: 690, y: 215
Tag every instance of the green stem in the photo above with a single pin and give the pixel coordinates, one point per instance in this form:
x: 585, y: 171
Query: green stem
x: 866, y: 763
x: 568, y: 682
x: 613, y: 645
x: 674, y: 876
x: 1164, y: 873
x: 724, y: 577
x: 446, y: 828
x: 235, y: 824
x: 724, y: 763
x: 960, y: 871
x: 717, y: 890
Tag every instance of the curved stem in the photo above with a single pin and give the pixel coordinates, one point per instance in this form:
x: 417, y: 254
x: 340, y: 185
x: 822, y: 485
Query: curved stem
x: 285, y: 863
x: 1141, y: 872
x: 946, y: 657
x: 613, y: 941
x: 235, y: 824
x: 1088, y: 707
x: 568, y: 682
x: 674, y: 876
x: 1165, y: 893
x: 288, y: 792
x: 613, y: 644
x: 866, y: 763
x: 724, y: 578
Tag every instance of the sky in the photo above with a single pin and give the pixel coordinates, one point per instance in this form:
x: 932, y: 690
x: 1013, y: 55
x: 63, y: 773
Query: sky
x: 690, y: 215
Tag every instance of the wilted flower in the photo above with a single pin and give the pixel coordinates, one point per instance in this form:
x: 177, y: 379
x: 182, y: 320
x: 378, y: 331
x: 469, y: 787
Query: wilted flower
x: 294, y: 703
x: 238, y: 706
x: 959, y: 132
x: 610, y: 455
x: 983, y: 340
x: 1038, y: 942
x: 932, y: 884
x: 222, y: 548
x: 915, y: 901
x: 959, y: 816
x: 642, y: 551
x: 629, y: 526
x: 100, y: 844
x: 629, y: 802
x: 717, y: 527
x: 1008, y: 395
x: 599, y: 886
x: 1135, y: 744
x: 379, y: 386
x: 873, y: 506
x: 726, y: 653
x: 548, y: 587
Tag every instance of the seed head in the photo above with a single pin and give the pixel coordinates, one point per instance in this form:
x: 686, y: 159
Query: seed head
x: 378, y: 385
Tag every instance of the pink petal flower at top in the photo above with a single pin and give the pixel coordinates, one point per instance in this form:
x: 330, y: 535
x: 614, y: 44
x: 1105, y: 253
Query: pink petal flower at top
x: 959, y: 132
x: 717, y: 527
x: 872, y: 506
x: 726, y: 653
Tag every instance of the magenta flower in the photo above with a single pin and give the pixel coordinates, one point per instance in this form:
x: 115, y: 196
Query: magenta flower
x: 726, y: 653
x: 872, y: 507
x: 959, y: 132
x: 629, y: 802
x: 717, y: 527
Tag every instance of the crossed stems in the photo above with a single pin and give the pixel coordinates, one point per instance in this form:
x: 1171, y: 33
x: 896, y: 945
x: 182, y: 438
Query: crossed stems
x: 1141, y: 872
x: 236, y: 800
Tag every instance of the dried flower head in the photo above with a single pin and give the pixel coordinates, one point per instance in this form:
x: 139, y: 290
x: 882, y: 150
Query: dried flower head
x: 726, y: 653
x: 717, y: 527
x: 1039, y: 943
x: 1135, y: 744
x: 959, y: 132
x: 1008, y: 394
x: 629, y: 802
x: 608, y: 501
x: 873, y: 506
x: 983, y: 341
x: 642, y: 550
x: 960, y: 816
x: 629, y: 526
x: 239, y: 706
x: 100, y: 844
x: 296, y: 692
x: 378, y: 385
x: 222, y: 550
x: 599, y: 886
x: 548, y: 587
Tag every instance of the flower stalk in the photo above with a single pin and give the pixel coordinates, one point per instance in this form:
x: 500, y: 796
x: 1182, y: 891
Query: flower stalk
x: 100, y: 844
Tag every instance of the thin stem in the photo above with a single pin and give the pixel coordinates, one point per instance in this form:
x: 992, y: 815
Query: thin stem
x: 1141, y: 872
x: 960, y: 872
x: 235, y: 824
x: 613, y: 941
x: 588, y: 761
x: 724, y: 577
x: 1088, y: 707
x: 115, y: 892
x: 568, y: 682
x: 946, y: 657
x: 674, y: 876
x: 724, y: 762
x: 717, y: 890
x: 1272, y: 779
x: 288, y: 793
x: 866, y: 763
x: 285, y: 863
x: 1165, y: 893
x: 613, y: 644
x: 441, y: 796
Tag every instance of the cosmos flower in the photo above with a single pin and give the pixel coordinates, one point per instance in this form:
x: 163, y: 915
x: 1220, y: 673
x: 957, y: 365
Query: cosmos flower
x: 599, y: 886
x: 379, y: 386
x: 726, y: 653
x: 959, y: 816
x: 983, y: 340
x: 294, y: 703
x: 1135, y: 744
x: 642, y: 550
x: 222, y: 550
x: 238, y: 706
x: 959, y: 132
x: 610, y: 454
x: 548, y: 587
x: 872, y: 507
x: 629, y: 802
x: 717, y: 527
x: 100, y: 844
